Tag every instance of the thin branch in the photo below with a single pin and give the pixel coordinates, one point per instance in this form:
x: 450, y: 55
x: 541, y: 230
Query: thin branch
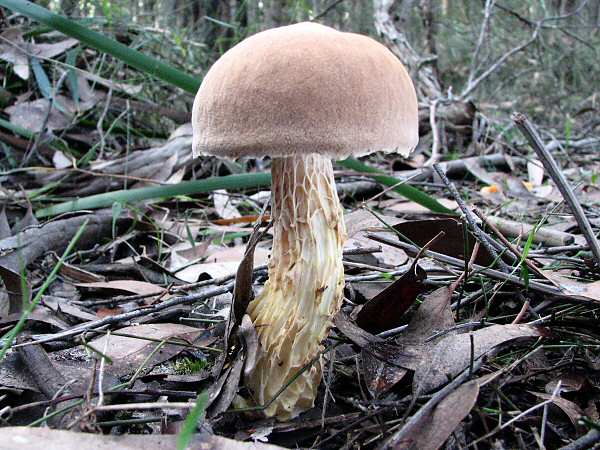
x: 487, y: 17
x: 499, y: 63
x: 487, y: 241
x: 118, y: 318
x: 531, y: 134
x: 435, y: 132
x: 492, y: 273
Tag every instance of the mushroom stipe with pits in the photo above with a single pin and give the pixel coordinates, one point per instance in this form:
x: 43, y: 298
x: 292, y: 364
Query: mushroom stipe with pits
x: 302, y: 94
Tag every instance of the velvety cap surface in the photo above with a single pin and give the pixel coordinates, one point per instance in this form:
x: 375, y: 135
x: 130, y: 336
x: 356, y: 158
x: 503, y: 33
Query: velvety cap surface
x: 305, y: 88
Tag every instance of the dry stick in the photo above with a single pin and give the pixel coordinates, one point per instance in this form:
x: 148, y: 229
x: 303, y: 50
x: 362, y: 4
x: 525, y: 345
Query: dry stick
x: 100, y: 123
x: 558, y: 250
x: 46, y: 376
x: 111, y: 320
x: 531, y: 134
x: 483, y: 238
x: 492, y: 273
x: 543, y: 235
x: 485, y: 25
x: 408, y: 429
x: 435, y: 133
x: 471, y: 86
x: 465, y: 274
x: 326, y: 10
x: 506, y: 242
x: 586, y: 441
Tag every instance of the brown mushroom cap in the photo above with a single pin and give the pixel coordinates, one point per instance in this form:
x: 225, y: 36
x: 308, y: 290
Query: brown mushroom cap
x: 305, y: 88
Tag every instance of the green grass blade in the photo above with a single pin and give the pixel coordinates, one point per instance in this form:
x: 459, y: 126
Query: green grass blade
x: 191, y: 422
x: 19, y: 131
x: 136, y: 59
x: 407, y: 191
x: 241, y: 181
x: 12, y: 334
x: 230, y: 182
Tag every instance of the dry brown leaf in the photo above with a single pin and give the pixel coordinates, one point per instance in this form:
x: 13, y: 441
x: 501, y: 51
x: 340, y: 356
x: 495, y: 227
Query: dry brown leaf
x: 474, y: 167
x: 16, y: 51
x: 572, y: 287
x: 13, y: 52
x: 221, y: 263
x: 379, y: 376
x: 358, y: 223
x: 159, y: 171
x: 60, y: 161
x: 235, y: 254
x: 31, y: 116
x: 409, y: 208
x: 123, y: 286
x: 41, y: 315
x: 63, y: 307
x: 222, y: 394
x: 128, y: 353
x: 434, y: 315
x: 452, y: 244
x: 78, y: 274
x: 435, y: 428
x: 205, y: 271
x: 376, y: 346
x: 15, y: 438
x: 28, y: 245
x: 385, y: 310
x: 571, y: 409
x: 569, y: 382
x: 130, y: 89
x: 5, y: 230
x: 535, y: 172
x: 452, y: 354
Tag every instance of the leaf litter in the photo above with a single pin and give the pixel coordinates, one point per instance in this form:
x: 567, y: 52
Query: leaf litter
x: 148, y: 312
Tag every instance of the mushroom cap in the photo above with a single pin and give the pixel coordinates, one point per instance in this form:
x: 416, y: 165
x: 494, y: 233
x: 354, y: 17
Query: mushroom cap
x: 305, y: 88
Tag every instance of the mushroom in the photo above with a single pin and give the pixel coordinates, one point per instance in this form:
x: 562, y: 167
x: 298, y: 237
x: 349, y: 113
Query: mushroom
x: 302, y: 94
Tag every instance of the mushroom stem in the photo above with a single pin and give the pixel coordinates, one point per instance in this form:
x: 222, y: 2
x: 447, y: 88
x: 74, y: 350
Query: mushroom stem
x: 294, y: 312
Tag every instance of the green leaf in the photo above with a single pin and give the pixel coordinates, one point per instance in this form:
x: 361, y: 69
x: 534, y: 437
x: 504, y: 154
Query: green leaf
x: 191, y: 421
x: 71, y: 75
x: 44, y: 83
x: 136, y: 59
x: 407, y: 191
x: 242, y: 181
x: 117, y: 209
x: 41, y: 78
x: 28, y: 134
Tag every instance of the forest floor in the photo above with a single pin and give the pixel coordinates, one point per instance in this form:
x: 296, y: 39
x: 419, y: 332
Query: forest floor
x: 470, y: 319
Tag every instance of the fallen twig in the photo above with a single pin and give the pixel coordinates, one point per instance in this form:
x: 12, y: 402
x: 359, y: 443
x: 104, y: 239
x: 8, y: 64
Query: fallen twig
x: 586, y: 441
x: 492, y: 273
x: 515, y: 251
x: 529, y: 131
x: 543, y: 235
x: 118, y: 318
x: 489, y: 244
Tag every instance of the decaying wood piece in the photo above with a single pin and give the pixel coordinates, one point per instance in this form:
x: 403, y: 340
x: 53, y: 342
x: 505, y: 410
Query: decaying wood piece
x: 25, y: 247
x: 544, y: 235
